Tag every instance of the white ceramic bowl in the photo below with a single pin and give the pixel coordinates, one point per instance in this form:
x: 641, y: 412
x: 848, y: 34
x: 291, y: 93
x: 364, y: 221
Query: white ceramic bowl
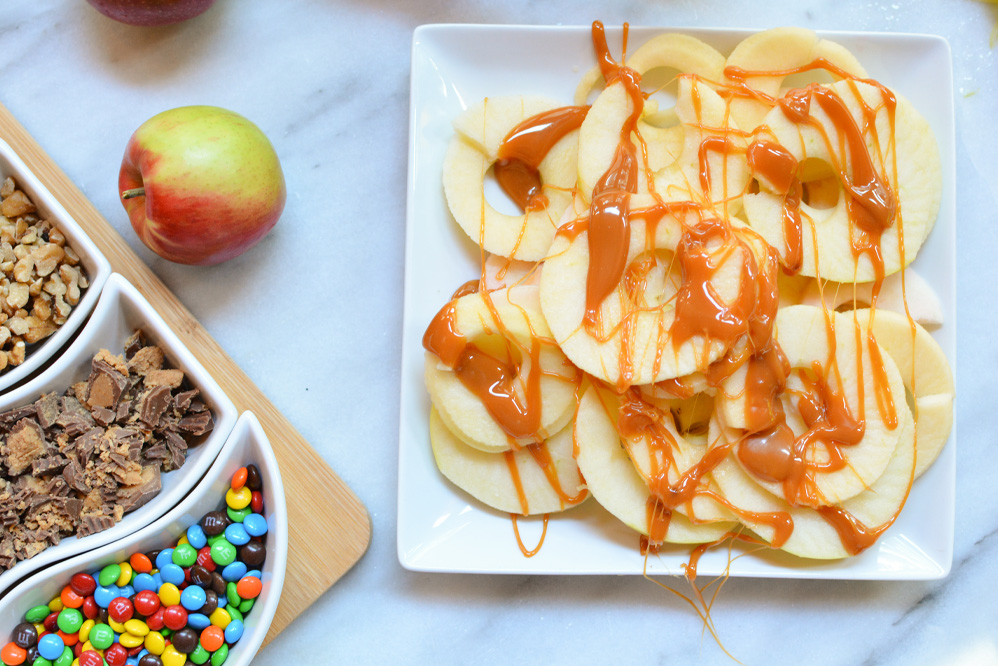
x: 247, y: 444
x: 120, y: 310
x: 97, y: 267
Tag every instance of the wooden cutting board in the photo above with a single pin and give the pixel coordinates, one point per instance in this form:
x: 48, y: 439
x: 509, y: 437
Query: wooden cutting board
x: 334, y: 532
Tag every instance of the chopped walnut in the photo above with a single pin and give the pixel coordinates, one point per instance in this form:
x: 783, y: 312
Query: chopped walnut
x: 40, y: 276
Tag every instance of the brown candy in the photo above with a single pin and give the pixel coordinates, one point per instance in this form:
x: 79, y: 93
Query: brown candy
x: 217, y: 583
x: 210, y: 603
x: 185, y: 640
x: 214, y: 523
x: 253, y: 479
x: 25, y: 635
x: 150, y: 660
x: 200, y: 576
x: 253, y: 554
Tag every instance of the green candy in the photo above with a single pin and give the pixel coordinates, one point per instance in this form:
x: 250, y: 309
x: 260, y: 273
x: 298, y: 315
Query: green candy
x: 217, y: 537
x: 41, y: 661
x: 237, y: 515
x: 101, y: 636
x: 109, y: 575
x: 70, y: 620
x: 223, y: 553
x: 37, y: 614
x: 221, y: 654
x: 234, y: 612
x: 166, y: 632
x: 66, y: 658
x: 232, y: 595
x: 200, y: 655
x: 184, y: 555
x: 247, y: 605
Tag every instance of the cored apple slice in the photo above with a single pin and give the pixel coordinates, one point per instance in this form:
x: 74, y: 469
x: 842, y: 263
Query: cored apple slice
x: 488, y: 477
x: 617, y: 486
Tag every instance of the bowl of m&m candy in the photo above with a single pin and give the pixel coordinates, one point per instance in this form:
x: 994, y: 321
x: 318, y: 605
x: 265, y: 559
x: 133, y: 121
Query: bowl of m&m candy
x: 200, y: 585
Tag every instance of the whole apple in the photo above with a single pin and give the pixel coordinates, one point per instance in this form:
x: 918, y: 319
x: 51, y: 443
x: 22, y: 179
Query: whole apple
x: 201, y: 184
x: 151, y: 12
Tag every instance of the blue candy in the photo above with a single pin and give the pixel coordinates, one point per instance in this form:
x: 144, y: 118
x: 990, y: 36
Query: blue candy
x: 105, y: 595
x: 51, y: 646
x: 196, y: 537
x: 255, y: 524
x: 171, y: 573
x: 165, y: 557
x: 233, y: 572
x: 145, y: 583
x: 192, y: 598
x: 158, y: 580
x: 198, y: 621
x: 234, y: 631
x: 255, y: 573
x: 222, y: 601
x: 237, y: 535
x: 126, y: 591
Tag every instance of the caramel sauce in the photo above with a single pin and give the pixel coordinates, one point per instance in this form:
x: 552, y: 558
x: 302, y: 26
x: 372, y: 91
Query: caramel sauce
x: 609, y: 226
x: 514, y: 473
x: 855, y: 536
x: 522, y: 150
x: 775, y: 164
x: 519, y: 540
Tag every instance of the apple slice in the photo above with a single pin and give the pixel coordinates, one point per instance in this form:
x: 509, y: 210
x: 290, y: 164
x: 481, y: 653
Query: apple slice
x: 616, y: 485
x: 898, y: 290
x: 488, y: 476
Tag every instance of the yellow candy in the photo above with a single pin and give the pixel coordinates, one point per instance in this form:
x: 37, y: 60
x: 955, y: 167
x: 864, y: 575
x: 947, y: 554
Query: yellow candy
x: 56, y: 605
x: 136, y: 627
x: 169, y: 594
x: 85, y: 628
x: 171, y: 657
x: 87, y: 646
x: 220, y: 618
x: 126, y: 574
x: 40, y: 628
x: 130, y: 640
x: 155, y: 643
x: 182, y: 540
x: 76, y: 662
x: 239, y: 499
x: 117, y: 626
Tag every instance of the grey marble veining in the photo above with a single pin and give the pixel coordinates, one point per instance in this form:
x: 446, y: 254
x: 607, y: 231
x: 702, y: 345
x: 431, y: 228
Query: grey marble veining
x: 313, y: 315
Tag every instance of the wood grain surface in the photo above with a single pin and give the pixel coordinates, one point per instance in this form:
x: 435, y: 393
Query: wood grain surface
x: 334, y: 529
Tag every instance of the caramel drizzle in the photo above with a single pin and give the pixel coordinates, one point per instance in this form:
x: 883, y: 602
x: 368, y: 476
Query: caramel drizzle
x: 519, y: 541
x: 775, y: 164
x: 517, y: 169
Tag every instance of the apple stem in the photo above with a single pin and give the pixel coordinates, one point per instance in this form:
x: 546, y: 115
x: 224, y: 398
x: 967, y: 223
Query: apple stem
x: 136, y: 192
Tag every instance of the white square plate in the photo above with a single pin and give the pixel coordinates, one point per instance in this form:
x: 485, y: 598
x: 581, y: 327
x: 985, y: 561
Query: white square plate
x: 442, y: 529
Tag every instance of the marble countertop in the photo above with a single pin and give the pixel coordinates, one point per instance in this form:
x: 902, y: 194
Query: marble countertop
x: 313, y: 315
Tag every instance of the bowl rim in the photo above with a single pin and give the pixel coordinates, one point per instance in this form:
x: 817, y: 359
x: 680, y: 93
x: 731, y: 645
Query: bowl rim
x: 88, y: 252
x: 246, y: 432
x: 117, y: 294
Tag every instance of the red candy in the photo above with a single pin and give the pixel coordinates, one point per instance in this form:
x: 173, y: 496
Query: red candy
x: 51, y: 623
x: 175, y: 618
x: 90, y: 608
x: 146, y: 603
x: 204, y: 559
x: 83, y: 584
x: 91, y: 658
x: 135, y: 650
x: 256, y: 501
x: 120, y: 609
x: 155, y: 621
x: 116, y: 655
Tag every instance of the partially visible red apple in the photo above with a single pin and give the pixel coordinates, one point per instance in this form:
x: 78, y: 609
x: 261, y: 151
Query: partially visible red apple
x: 151, y: 12
x: 201, y: 184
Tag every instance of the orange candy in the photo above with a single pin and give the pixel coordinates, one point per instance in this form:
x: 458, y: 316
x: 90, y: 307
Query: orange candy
x: 69, y: 598
x: 140, y: 563
x: 69, y: 640
x: 249, y: 587
x: 13, y: 655
x: 212, y: 638
x: 239, y: 478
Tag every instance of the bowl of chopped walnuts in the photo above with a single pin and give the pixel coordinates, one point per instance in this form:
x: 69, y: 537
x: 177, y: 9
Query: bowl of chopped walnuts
x: 107, y: 438
x: 51, y: 273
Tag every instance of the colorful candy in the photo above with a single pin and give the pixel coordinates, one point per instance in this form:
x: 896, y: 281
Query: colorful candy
x: 179, y: 605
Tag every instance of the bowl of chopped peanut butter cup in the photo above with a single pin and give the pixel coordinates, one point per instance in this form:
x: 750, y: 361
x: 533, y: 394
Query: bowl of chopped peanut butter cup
x: 108, y: 438
x: 51, y: 273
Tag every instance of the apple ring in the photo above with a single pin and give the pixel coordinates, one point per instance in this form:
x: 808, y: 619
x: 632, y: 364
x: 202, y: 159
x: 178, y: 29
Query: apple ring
x: 632, y: 341
x: 905, y: 292
x: 810, y: 336
x: 812, y: 532
x: 705, y: 144
x: 488, y: 476
x: 926, y: 373
x: 507, y: 326
x: 472, y: 153
x: 903, y: 159
x: 761, y: 63
x: 617, y: 486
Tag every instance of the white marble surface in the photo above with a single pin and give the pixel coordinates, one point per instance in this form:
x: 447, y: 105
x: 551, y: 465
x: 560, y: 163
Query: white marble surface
x: 313, y: 315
